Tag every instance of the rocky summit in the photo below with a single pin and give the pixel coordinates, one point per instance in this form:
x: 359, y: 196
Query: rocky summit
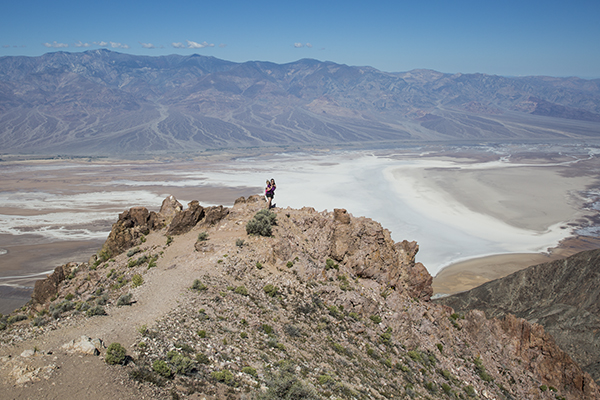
x: 247, y: 303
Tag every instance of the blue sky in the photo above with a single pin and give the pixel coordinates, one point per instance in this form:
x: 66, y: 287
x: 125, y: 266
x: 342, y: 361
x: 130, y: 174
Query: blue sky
x: 511, y: 38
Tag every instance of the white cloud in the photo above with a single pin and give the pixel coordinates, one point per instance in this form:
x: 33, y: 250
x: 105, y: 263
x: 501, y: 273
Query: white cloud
x: 308, y: 45
x: 116, y: 45
x: 178, y: 45
x: 194, y: 45
x: 148, y: 45
x: 79, y: 43
x: 298, y: 45
x: 55, y: 45
x: 222, y: 45
x: 101, y: 44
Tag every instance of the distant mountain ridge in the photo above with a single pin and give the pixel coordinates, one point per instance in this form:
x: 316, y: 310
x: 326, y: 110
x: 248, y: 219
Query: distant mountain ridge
x: 103, y: 102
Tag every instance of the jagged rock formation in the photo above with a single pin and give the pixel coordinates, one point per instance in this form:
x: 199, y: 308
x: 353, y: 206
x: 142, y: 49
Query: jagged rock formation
x: 563, y: 296
x: 328, y: 306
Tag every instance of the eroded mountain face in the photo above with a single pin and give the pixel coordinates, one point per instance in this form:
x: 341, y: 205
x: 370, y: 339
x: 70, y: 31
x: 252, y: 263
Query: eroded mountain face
x: 327, y: 305
x: 563, y: 296
x: 104, y: 103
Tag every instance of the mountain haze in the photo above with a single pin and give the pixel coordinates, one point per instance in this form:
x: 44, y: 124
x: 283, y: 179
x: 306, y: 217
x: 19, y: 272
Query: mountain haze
x: 103, y: 102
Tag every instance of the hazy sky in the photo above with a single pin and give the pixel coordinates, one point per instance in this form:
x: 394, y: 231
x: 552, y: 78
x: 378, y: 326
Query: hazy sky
x: 558, y: 38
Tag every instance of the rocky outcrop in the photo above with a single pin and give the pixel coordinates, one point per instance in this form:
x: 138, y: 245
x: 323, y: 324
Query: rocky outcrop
x: 46, y: 288
x: 184, y: 221
x: 126, y: 232
x: 563, y: 296
x: 169, y: 208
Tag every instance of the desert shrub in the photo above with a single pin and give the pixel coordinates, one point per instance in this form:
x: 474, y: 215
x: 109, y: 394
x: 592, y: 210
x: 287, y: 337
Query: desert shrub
x: 198, y: 286
x: 169, y: 240
x: 16, y: 318
x: 292, y: 330
x: 268, y: 329
x: 287, y: 386
x: 82, y: 306
x: 57, y: 309
x: 115, y: 354
x: 224, y: 376
x: 142, y: 374
x: 201, y: 358
x: 289, y: 264
x: 250, y: 371
x: 182, y: 365
x: 202, y: 333
x: 39, y: 321
x: 440, y: 347
x: 241, y: 290
x: 330, y: 264
x: 481, y: 370
x: 243, y: 335
x: 96, y: 310
x: 239, y: 242
x: 104, y: 255
x: 102, y: 300
x: 124, y: 300
x: 258, y: 265
x: 261, y: 223
x: 133, y: 252
x: 69, y: 296
x: 152, y: 262
x: 136, y: 280
x: 271, y: 290
x: 162, y: 368
x: 376, y: 319
x: 202, y: 236
x: 470, y: 391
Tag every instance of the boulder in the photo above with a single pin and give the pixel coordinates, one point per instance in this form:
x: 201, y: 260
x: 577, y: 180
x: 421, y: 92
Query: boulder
x: 185, y: 220
x: 46, y: 288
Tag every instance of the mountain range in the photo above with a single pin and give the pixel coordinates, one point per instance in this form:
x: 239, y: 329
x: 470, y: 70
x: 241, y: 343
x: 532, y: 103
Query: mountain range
x: 103, y: 102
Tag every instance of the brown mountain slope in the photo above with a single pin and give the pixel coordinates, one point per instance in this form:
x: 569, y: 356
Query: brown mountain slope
x: 563, y: 296
x: 102, y: 102
x: 328, y: 306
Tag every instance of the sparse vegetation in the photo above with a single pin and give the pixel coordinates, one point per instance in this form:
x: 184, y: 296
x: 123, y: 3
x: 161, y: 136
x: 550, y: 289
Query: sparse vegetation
x: 261, y: 224
x: 270, y: 290
x: 124, y: 300
x: 115, y: 354
x: 203, y: 236
x: 136, y: 280
x: 198, y: 286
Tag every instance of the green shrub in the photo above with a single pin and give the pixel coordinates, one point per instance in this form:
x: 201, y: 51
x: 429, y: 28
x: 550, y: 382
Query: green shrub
x: 16, y: 318
x: 203, y: 236
x: 270, y: 290
x: 202, y: 333
x: 239, y: 242
x: 124, y: 300
x: 440, y: 347
x: 268, y: 329
x: 152, y: 262
x: 133, y: 252
x: 162, y: 368
x: 169, y: 240
x: 198, y: 286
x: 250, y: 371
x: 258, y: 265
x: 470, y: 391
x: 224, y: 376
x: 183, y: 365
x: 481, y: 370
x: 69, y: 296
x: 330, y: 264
x: 241, y: 290
x: 96, y: 310
x: 115, y: 354
x: 376, y: 319
x: 289, y: 264
x: 201, y: 358
x: 136, y: 280
x: 261, y: 223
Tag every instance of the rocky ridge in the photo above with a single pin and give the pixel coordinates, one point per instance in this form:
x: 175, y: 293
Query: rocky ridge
x: 563, y: 296
x: 327, y: 307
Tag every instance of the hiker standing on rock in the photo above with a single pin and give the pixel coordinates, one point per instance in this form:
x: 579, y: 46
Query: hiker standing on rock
x: 270, y: 192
